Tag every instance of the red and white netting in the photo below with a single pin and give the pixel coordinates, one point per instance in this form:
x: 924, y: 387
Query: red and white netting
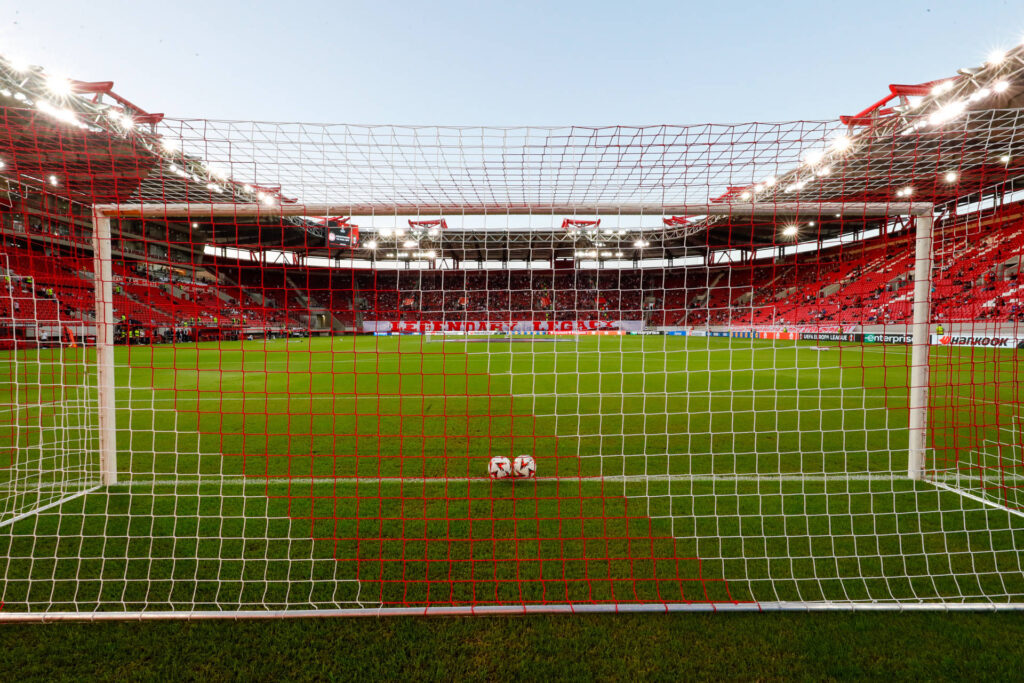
x: 758, y: 365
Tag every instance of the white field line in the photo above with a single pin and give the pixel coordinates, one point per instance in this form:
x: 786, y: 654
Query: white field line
x: 394, y: 359
x: 155, y: 397
x: 564, y: 363
x: 242, y: 481
x: 170, y: 403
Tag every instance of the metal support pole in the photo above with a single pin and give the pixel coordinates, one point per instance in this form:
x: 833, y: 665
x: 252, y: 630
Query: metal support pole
x: 104, y: 288
x: 919, y: 350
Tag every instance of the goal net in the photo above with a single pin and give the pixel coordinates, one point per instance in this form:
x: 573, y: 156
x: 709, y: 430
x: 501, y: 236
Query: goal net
x: 267, y: 368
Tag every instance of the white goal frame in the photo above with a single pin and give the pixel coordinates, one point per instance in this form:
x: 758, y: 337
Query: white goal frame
x: 922, y: 211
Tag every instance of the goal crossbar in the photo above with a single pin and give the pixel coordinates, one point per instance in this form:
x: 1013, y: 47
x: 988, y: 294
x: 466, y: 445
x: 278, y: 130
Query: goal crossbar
x: 764, y: 209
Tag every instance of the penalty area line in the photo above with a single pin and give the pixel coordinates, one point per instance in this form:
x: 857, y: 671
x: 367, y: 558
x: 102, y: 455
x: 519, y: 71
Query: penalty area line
x: 214, y: 480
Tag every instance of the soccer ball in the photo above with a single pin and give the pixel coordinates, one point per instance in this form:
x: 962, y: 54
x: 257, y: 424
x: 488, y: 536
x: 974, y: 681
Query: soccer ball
x: 524, y: 466
x: 499, y: 467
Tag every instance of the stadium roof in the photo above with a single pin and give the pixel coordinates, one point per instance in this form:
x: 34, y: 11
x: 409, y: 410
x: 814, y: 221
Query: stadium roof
x: 510, y: 189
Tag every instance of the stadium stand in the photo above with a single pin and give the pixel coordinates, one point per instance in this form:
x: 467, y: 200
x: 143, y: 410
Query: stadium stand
x: 867, y: 282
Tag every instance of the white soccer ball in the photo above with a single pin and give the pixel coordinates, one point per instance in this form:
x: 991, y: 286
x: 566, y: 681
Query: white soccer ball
x: 500, y: 467
x: 524, y: 466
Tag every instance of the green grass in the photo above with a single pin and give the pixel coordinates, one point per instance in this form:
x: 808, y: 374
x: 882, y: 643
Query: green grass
x: 890, y: 646
x: 349, y: 473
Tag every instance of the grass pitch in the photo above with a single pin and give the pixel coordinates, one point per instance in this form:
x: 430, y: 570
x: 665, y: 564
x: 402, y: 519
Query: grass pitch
x: 351, y: 473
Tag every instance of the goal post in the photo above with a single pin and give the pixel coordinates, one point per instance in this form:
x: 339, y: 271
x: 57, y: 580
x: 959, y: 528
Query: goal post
x: 105, y: 367
x: 919, y: 364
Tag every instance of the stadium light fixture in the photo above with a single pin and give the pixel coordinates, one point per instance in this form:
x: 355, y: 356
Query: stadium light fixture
x: 385, y: 233
x: 58, y: 85
x: 842, y: 143
x: 948, y: 113
x: 618, y: 254
x: 433, y: 232
x: 2, y: 163
x: 823, y: 171
x: 745, y: 196
x: 996, y: 57
x: 790, y: 231
x: 372, y: 244
x: 640, y: 244
x: 65, y: 115
x: 170, y: 146
x: 950, y: 176
x: 814, y: 157
x: 1005, y: 158
x: 1000, y: 86
x: 769, y: 181
x: 943, y: 88
x: 17, y: 64
x: 53, y: 180
x: 409, y: 244
x: 979, y: 94
x: 268, y: 200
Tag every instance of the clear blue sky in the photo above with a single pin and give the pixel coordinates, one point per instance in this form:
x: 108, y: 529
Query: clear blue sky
x: 588, y: 62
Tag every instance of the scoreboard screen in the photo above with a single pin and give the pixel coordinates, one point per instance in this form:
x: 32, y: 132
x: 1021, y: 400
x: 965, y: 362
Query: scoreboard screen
x: 342, y: 236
